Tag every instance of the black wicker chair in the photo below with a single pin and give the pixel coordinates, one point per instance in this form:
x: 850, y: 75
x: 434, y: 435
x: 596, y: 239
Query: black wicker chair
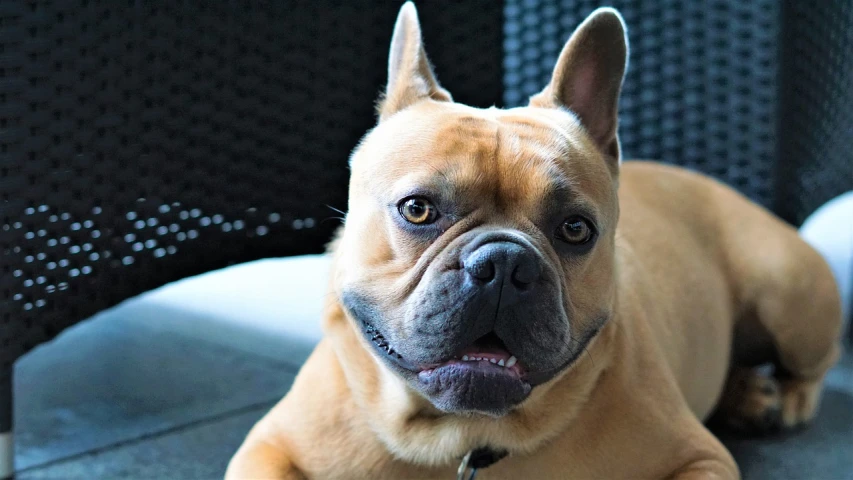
x: 143, y: 142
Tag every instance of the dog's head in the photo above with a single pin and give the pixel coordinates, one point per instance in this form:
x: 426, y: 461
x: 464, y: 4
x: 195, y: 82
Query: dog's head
x: 477, y: 258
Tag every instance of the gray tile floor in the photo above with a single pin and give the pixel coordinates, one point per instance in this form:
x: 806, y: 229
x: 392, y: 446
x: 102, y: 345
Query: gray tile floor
x: 118, y: 398
x: 112, y: 398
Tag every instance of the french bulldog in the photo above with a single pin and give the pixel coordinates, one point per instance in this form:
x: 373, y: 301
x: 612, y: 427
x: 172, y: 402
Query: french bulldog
x: 507, y: 294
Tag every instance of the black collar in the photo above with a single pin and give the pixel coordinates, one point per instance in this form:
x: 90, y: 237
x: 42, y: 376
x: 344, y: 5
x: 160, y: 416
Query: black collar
x: 485, y: 457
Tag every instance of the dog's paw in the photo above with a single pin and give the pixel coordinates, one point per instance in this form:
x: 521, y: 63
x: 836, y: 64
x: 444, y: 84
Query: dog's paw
x: 800, y: 400
x: 752, y: 403
x: 756, y: 403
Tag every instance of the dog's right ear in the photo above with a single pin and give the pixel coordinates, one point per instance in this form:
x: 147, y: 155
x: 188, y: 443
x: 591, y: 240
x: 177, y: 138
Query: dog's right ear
x: 410, y: 75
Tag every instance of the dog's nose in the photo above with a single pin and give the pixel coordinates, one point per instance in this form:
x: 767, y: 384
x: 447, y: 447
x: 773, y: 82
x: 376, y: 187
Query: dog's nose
x: 503, y: 264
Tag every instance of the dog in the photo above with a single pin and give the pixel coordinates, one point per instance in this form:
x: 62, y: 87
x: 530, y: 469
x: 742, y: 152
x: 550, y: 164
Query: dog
x: 509, y: 298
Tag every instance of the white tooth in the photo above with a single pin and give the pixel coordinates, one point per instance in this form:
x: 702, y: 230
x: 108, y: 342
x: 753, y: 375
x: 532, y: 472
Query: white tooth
x: 464, y: 358
x: 493, y: 360
x: 501, y: 362
x: 511, y: 361
x: 478, y: 358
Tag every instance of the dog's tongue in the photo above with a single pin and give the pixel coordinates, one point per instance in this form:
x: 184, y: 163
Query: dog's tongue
x: 487, y: 345
x: 491, y: 349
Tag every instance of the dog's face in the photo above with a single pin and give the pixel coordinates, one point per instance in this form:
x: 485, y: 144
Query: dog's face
x: 477, y: 259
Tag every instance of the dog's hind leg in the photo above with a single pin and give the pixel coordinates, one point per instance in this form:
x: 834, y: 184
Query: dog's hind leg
x: 796, y: 314
x: 803, y: 318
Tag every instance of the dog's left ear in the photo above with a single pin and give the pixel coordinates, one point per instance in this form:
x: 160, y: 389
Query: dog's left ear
x: 410, y: 76
x: 588, y: 77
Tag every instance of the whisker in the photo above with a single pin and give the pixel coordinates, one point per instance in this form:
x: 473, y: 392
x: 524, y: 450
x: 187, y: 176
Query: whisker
x: 586, y: 349
x: 335, y: 209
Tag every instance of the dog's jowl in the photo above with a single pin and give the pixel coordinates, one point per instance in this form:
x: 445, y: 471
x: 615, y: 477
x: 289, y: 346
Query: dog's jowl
x: 505, y: 283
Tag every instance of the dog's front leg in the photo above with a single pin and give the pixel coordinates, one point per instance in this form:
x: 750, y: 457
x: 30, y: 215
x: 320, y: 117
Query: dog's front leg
x: 262, y: 460
x: 707, y: 469
x: 701, y: 456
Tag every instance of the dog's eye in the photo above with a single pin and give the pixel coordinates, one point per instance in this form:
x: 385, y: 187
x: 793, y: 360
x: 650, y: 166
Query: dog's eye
x: 575, y: 230
x: 418, y: 210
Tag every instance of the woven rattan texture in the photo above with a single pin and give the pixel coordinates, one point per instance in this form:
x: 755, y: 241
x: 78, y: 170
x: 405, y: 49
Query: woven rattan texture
x: 816, y: 121
x: 141, y: 142
x: 701, y: 83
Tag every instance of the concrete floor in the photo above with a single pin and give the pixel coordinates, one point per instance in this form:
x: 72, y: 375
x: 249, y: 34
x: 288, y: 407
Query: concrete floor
x: 166, y: 386
x: 114, y: 399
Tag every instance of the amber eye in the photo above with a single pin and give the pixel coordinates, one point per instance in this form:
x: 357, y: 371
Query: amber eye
x: 575, y: 230
x: 418, y: 210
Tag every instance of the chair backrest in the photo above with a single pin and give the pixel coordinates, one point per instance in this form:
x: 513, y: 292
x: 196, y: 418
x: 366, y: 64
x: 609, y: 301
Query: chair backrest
x: 816, y: 113
x: 142, y: 142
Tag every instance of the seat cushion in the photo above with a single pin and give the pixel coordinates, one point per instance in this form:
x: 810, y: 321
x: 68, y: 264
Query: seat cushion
x: 269, y: 307
x: 830, y: 231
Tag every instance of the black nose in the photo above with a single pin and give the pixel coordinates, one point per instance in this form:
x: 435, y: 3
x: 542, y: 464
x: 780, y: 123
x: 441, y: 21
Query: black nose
x: 506, y: 268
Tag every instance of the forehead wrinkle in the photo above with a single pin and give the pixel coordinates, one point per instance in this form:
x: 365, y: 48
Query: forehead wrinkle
x: 561, y: 123
x: 549, y: 138
x: 451, y: 181
x: 470, y: 136
x: 538, y: 161
x: 453, y: 153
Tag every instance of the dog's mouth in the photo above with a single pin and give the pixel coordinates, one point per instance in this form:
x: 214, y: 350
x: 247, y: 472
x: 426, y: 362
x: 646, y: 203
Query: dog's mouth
x: 488, y: 352
x: 483, y: 378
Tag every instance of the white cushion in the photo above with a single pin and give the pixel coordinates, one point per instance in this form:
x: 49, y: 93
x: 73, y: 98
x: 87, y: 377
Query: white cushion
x: 269, y: 307
x: 830, y: 231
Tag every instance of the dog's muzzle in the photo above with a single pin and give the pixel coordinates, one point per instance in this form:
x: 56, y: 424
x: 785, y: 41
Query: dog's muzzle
x: 484, y: 324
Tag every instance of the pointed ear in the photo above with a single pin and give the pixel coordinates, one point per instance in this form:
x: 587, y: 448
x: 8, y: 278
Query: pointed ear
x: 410, y: 76
x: 588, y: 77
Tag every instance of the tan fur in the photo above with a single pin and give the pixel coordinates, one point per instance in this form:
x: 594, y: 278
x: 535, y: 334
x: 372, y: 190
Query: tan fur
x: 686, y: 267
